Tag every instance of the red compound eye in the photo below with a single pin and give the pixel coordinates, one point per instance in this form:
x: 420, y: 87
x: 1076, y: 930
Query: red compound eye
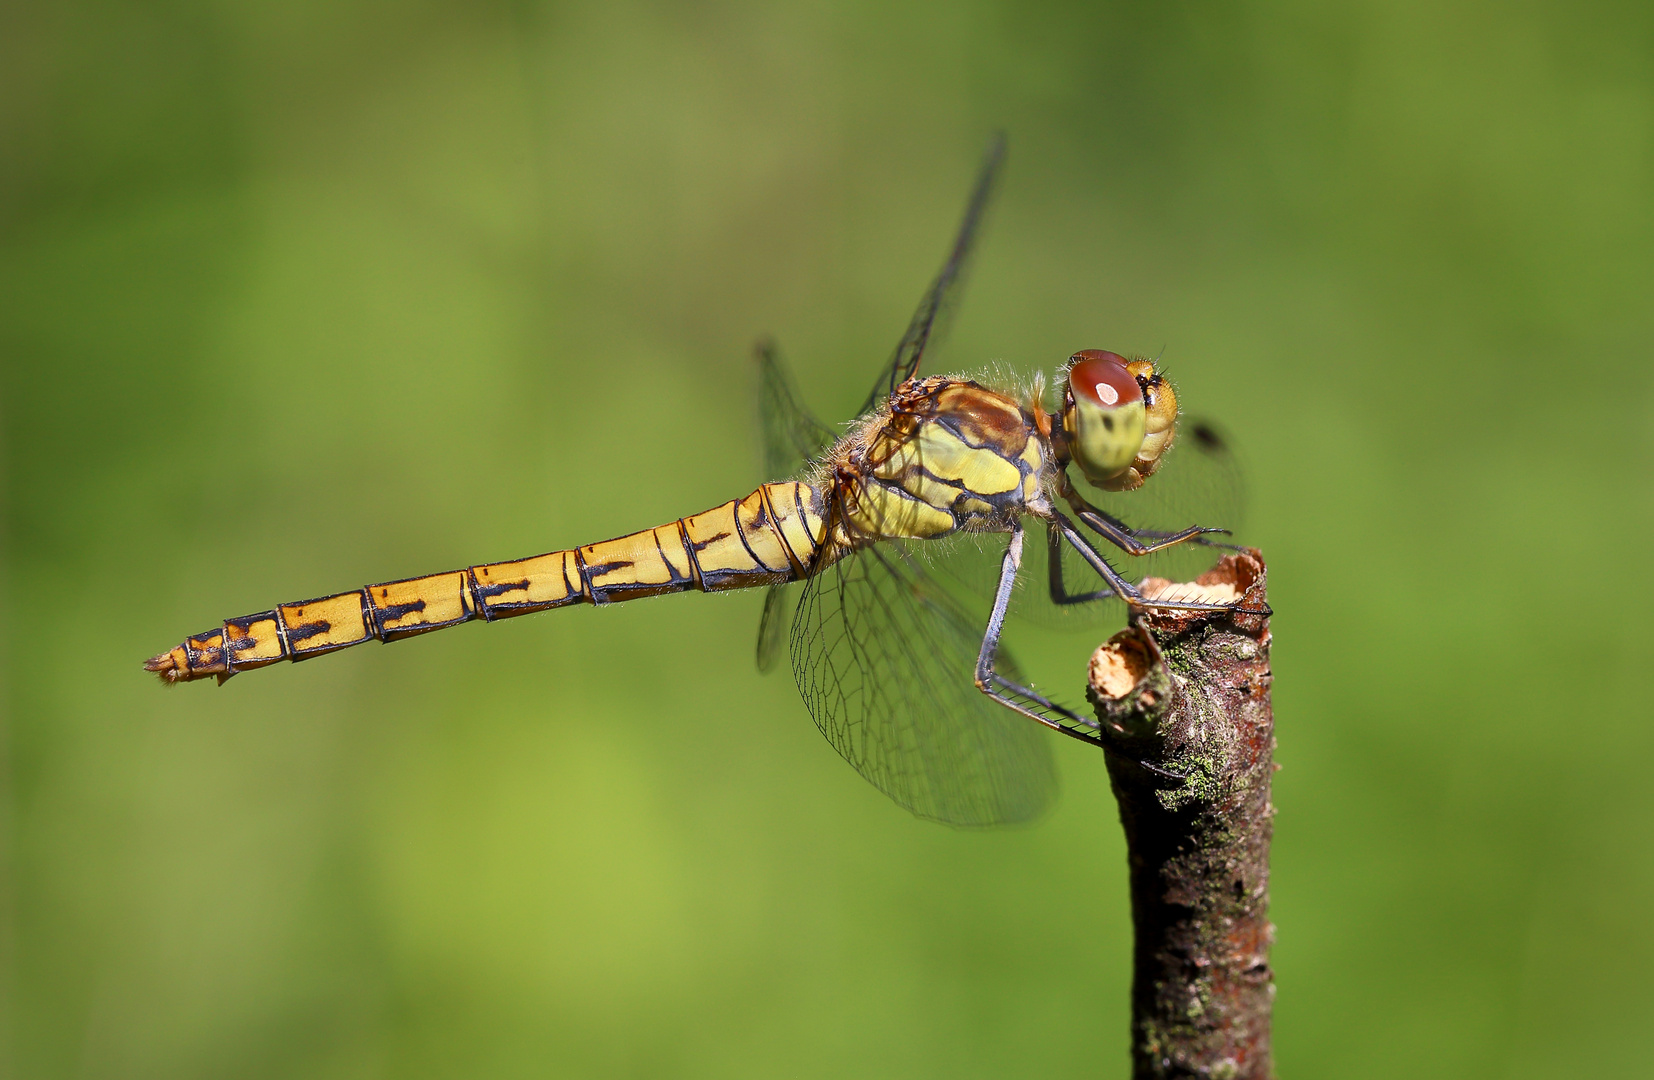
x: 1101, y: 378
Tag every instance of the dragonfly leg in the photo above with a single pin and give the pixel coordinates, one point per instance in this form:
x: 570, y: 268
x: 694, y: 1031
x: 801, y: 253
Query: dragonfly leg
x: 1059, y: 591
x: 1137, y: 541
x: 1024, y: 699
x: 997, y: 686
x: 1124, y: 589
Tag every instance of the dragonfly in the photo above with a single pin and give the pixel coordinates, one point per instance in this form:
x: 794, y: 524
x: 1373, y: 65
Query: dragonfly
x: 893, y: 523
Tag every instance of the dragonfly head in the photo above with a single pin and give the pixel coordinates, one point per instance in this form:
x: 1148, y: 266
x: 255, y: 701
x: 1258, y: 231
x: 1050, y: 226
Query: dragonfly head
x: 1119, y: 417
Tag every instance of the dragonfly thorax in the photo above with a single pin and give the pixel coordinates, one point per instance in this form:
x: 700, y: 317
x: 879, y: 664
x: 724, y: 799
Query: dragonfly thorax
x: 943, y: 455
x: 1119, y: 417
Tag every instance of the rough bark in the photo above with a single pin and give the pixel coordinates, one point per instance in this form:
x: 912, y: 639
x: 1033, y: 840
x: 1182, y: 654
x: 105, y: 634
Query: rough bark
x: 1185, y: 700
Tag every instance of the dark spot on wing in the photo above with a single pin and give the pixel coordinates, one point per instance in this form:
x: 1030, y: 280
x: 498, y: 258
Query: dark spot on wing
x: 1207, y: 437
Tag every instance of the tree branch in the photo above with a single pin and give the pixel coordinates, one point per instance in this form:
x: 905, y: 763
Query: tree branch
x: 1187, y: 694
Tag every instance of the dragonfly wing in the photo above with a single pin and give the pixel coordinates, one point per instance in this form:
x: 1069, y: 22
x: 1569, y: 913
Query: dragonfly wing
x: 771, y: 625
x: 792, y: 435
x: 885, y: 659
x: 944, y: 291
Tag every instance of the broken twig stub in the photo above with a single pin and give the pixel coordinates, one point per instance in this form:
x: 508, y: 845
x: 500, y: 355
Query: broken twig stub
x: 1184, y: 698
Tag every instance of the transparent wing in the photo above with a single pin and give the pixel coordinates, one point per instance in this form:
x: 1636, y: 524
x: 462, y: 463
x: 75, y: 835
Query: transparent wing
x: 884, y: 658
x: 938, y: 303
x: 792, y: 435
x: 770, y: 626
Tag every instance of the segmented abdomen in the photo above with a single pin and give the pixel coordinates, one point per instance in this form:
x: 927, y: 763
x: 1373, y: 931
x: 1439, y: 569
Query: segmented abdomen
x: 769, y: 537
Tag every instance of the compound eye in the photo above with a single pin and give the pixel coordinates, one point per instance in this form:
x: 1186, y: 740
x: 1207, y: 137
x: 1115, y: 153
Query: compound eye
x: 1105, y: 417
x: 1102, y: 378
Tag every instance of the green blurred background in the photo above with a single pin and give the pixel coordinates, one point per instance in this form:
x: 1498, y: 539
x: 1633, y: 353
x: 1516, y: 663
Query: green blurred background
x: 297, y: 296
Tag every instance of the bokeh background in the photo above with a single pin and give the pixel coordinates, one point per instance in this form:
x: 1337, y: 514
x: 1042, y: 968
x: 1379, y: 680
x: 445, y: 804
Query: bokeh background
x: 297, y: 296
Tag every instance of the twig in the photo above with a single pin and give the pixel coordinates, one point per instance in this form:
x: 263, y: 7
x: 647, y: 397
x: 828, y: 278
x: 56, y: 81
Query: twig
x: 1188, y: 694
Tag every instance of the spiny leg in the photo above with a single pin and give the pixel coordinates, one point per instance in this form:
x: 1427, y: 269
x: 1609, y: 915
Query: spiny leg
x: 998, y: 687
x: 1116, y: 587
x: 994, y: 684
x: 1059, y: 591
x: 1137, y: 541
x: 1124, y: 589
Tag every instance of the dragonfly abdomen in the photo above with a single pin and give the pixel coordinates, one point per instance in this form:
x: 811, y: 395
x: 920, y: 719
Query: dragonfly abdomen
x: 768, y: 538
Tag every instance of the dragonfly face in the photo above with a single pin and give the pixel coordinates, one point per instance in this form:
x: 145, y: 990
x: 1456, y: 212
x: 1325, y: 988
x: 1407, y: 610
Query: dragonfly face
x: 902, y: 676
x: 1119, y: 416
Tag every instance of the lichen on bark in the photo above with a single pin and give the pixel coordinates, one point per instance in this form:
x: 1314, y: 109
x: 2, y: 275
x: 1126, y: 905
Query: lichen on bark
x: 1184, y: 698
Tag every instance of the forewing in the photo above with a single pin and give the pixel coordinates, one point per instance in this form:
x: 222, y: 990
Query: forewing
x: 934, y: 309
x: 885, y: 660
x: 792, y: 435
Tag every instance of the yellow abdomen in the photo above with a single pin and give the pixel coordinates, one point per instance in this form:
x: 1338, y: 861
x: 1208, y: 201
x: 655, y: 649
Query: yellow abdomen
x: 770, y: 537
